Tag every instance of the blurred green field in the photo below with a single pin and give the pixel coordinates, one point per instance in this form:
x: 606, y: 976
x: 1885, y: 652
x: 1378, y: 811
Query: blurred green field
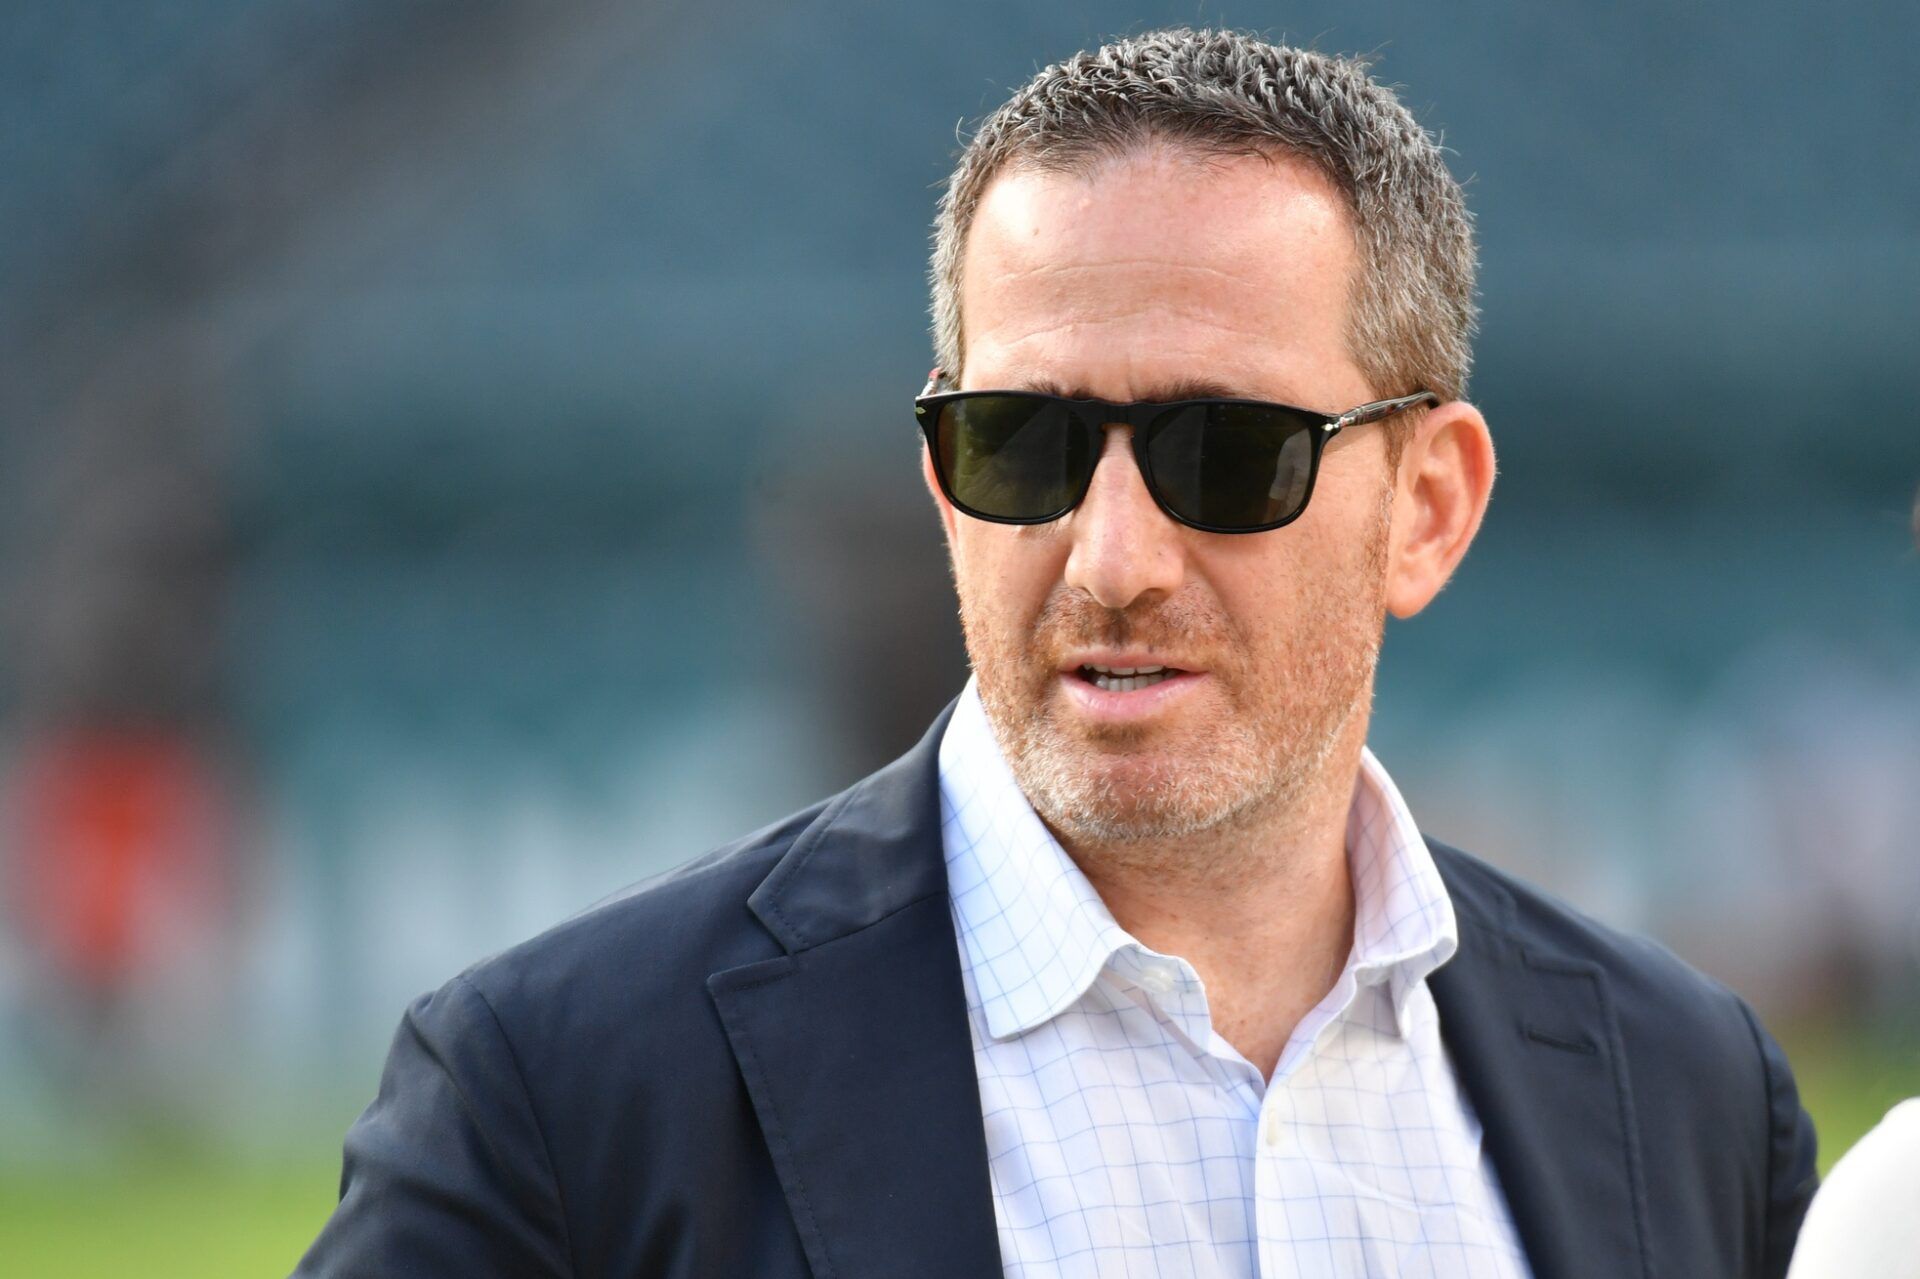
x: 170, y: 1211
x: 164, y: 1218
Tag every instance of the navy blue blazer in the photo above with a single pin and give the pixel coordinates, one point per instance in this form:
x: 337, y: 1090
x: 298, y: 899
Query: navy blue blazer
x: 759, y: 1065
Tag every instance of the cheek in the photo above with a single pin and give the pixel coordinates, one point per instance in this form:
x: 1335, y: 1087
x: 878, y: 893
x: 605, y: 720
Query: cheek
x: 1278, y: 594
x: 1006, y: 571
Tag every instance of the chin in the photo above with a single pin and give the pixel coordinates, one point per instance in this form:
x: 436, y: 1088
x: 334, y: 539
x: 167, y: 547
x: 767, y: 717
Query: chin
x: 1098, y: 793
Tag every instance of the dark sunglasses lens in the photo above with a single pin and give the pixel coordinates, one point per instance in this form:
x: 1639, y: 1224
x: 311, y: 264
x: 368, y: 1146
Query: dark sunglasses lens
x: 1012, y: 457
x: 1232, y: 466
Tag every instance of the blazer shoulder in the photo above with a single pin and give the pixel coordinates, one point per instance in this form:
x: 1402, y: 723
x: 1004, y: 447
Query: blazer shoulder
x: 1649, y: 982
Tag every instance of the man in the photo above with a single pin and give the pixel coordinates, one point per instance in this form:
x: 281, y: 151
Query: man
x: 1137, y: 964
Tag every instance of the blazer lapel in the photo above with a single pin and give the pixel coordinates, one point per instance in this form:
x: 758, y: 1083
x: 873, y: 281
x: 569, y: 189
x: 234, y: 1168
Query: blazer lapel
x: 854, y: 1044
x: 1537, y: 1049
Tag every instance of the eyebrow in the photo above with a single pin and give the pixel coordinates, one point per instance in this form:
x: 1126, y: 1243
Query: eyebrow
x: 1163, y: 393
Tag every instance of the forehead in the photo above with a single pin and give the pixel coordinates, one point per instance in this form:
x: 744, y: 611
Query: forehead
x: 1232, y: 268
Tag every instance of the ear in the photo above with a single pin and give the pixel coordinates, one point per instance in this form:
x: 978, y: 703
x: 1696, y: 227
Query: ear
x: 1440, y: 494
x: 940, y: 503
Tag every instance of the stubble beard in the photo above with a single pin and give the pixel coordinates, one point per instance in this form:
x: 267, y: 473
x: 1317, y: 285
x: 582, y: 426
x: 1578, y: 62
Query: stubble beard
x: 1286, y: 703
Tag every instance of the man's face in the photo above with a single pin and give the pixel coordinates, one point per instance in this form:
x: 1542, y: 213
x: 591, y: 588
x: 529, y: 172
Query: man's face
x: 1156, y: 277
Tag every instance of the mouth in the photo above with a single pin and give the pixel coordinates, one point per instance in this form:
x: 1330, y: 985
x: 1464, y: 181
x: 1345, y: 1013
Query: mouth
x: 1126, y: 679
x: 1118, y: 689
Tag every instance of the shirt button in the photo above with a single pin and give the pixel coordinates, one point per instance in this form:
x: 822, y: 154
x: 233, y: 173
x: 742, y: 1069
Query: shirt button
x: 1156, y: 979
x: 1271, y: 1129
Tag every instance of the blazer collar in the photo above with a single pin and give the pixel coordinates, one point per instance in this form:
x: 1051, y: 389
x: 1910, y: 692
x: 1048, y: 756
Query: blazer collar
x: 854, y: 1045
x: 874, y: 850
x: 1537, y: 1049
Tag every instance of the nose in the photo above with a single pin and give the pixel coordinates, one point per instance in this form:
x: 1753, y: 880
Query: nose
x: 1124, y: 547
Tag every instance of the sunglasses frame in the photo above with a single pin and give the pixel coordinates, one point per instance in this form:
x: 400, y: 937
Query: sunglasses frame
x: 927, y: 405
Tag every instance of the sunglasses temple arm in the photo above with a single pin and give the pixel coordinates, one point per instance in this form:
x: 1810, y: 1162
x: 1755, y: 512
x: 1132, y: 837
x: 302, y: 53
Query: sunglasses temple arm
x: 1378, y: 409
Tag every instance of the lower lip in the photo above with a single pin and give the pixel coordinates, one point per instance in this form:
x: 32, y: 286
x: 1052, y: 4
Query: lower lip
x: 1101, y: 706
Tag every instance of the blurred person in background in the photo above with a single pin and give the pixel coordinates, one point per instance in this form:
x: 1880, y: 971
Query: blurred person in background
x: 121, y: 806
x: 1863, y: 1220
x: 1138, y: 962
x: 1863, y: 1223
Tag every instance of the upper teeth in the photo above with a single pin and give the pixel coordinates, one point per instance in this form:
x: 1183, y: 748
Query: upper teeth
x: 1126, y: 670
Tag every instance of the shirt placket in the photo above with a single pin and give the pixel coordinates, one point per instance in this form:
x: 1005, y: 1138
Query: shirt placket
x: 1289, y: 1213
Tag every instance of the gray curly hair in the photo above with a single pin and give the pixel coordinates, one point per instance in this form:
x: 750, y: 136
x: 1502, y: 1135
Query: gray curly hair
x: 1226, y: 93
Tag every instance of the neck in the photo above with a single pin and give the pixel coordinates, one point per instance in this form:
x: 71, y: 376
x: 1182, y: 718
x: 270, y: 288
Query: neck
x: 1263, y: 910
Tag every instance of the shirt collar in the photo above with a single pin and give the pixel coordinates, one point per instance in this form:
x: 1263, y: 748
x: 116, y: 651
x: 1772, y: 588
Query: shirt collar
x: 1403, y: 921
x: 1035, y: 935
x: 1033, y: 932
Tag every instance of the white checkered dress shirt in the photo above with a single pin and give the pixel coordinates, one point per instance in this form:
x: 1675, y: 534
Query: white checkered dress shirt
x: 1126, y: 1138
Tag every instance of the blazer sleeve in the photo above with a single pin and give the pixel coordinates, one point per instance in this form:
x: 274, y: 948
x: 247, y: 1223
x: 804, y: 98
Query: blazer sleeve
x: 1792, y: 1175
x: 447, y: 1172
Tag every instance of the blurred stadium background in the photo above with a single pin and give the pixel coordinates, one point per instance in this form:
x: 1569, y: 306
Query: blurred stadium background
x: 454, y: 461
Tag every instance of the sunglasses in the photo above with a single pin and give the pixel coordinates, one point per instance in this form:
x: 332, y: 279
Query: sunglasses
x: 1220, y: 466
